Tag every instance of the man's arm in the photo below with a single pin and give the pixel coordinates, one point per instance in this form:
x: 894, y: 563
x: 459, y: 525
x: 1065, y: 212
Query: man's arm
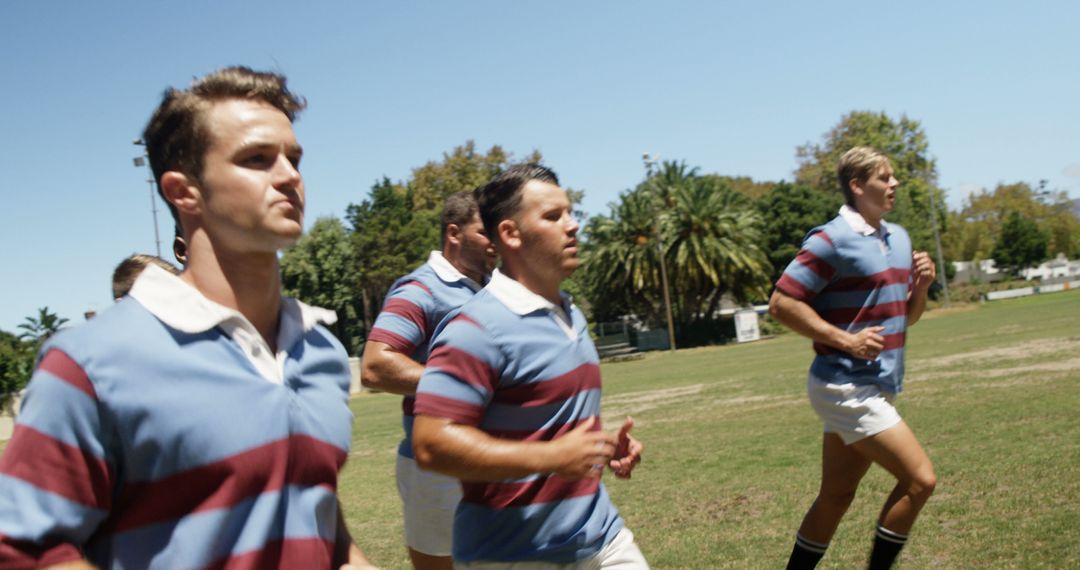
x: 402, y: 325
x: 386, y: 369
x: 923, y: 274
x: 469, y: 454
x: 55, y: 474
x: 803, y: 319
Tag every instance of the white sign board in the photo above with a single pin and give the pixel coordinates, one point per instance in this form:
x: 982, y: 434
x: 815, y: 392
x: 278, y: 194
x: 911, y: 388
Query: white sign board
x: 746, y: 325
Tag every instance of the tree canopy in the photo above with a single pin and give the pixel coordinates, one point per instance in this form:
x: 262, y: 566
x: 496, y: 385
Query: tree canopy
x: 905, y: 143
x: 1021, y: 244
x: 710, y: 238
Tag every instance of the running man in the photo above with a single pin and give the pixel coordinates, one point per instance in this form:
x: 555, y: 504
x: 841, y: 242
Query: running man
x: 854, y: 289
x: 510, y: 400
x: 394, y: 358
x: 202, y: 420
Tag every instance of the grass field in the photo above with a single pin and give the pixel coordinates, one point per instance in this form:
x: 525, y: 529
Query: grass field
x: 732, y: 448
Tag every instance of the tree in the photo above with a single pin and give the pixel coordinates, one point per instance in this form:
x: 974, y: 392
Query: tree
x: 42, y: 327
x: 321, y: 270
x: 711, y: 243
x: 789, y: 211
x: 1021, y: 244
x: 389, y: 239
x: 461, y: 169
x: 976, y: 228
x: 907, y: 147
x: 16, y: 364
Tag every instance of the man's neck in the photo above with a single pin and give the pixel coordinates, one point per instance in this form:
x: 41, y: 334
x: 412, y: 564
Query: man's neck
x: 451, y: 256
x: 247, y: 283
x: 870, y: 218
x: 546, y: 288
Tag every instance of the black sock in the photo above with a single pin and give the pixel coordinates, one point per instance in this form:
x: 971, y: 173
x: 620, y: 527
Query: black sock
x: 806, y: 553
x: 887, y: 545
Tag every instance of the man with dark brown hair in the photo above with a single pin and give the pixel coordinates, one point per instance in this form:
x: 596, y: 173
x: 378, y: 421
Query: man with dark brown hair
x: 394, y: 357
x: 200, y: 422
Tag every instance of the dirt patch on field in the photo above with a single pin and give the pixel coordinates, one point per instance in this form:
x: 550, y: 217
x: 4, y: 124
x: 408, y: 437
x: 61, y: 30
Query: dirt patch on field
x: 686, y: 397
x: 1026, y: 374
x: 1009, y: 352
x: 637, y: 402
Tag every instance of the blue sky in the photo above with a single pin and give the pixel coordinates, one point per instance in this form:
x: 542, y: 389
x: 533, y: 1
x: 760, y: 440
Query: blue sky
x: 731, y: 87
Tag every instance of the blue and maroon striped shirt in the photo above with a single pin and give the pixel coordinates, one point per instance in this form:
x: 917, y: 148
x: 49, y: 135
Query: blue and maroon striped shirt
x: 413, y: 308
x: 143, y: 445
x: 855, y: 277
x: 520, y: 368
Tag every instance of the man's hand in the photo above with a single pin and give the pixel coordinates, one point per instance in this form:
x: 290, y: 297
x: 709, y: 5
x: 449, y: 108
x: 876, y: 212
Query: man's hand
x: 866, y: 344
x: 923, y: 270
x: 627, y: 451
x: 582, y: 454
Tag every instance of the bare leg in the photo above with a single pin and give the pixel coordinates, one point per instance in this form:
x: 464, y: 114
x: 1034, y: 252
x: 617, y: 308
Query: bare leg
x: 842, y: 468
x: 897, y: 450
x: 421, y: 561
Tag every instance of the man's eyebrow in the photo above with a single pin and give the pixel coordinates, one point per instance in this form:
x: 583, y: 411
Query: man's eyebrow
x: 290, y: 148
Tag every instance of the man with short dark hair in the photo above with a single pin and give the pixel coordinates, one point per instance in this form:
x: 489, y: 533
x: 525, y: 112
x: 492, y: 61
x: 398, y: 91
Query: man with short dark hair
x: 394, y: 358
x: 201, y: 421
x: 510, y: 400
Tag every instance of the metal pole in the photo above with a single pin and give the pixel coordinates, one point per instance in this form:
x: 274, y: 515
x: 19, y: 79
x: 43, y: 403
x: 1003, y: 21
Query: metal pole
x: 942, y: 279
x: 153, y: 211
x: 140, y: 161
x: 649, y: 162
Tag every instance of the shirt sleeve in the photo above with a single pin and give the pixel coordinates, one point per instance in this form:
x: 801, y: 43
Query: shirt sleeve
x: 462, y: 372
x: 56, y: 477
x: 812, y: 269
x: 403, y: 323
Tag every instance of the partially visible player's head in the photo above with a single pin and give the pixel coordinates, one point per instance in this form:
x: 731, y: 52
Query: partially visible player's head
x: 128, y: 271
x: 178, y: 134
x: 856, y: 166
x: 530, y: 218
x: 464, y: 241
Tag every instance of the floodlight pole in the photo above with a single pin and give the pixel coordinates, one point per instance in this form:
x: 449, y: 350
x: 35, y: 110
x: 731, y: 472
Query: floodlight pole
x: 142, y: 161
x: 650, y: 161
x: 937, y: 238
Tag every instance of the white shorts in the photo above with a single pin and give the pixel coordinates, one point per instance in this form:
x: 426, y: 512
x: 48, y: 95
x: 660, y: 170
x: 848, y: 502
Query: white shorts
x: 622, y: 553
x: 852, y: 411
x: 429, y: 500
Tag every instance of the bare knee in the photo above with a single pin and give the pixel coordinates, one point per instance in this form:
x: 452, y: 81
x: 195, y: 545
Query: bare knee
x: 836, y: 500
x: 922, y: 483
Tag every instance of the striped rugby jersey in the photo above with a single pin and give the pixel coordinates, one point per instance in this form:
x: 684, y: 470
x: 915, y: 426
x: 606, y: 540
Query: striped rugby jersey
x: 413, y: 308
x: 141, y: 445
x: 520, y: 368
x: 855, y: 277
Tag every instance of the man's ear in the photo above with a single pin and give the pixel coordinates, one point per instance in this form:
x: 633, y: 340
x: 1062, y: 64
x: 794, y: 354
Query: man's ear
x: 856, y: 187
x: 182, y: 192
x: 509, y: 233
x: 453, y: 234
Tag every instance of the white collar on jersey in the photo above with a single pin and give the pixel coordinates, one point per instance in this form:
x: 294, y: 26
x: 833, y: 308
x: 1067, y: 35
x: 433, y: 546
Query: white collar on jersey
x: 522, y: 301
x: 446, y: 270
x: 184, y: 308
x: 858, y: 222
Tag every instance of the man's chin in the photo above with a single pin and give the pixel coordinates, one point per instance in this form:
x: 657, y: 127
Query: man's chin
x: 570, y: 266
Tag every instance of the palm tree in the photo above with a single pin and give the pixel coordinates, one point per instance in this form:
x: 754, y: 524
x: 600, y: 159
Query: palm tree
x: 44, y: 326
x: 711, y: 242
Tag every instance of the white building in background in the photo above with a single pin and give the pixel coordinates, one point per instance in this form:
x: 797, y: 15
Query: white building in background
x: 982, y: 271
x: 1057, y: 268
x: 986, y: 271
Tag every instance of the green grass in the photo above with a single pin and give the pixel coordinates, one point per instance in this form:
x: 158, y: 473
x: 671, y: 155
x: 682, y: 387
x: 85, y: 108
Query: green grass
x: 733, y: 449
